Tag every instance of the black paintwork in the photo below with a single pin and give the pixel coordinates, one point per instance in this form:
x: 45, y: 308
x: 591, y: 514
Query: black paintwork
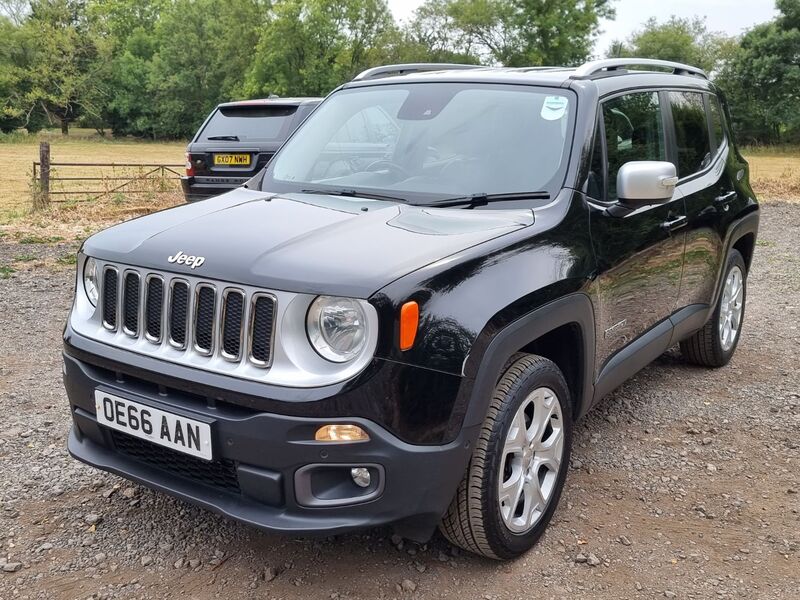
x: 208, y: 180
x: 598, y: 287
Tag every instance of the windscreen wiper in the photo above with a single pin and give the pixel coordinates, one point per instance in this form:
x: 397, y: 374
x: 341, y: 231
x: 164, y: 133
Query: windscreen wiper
x: 351, y: 193
x: 223, y: 138
x: 474, y: 200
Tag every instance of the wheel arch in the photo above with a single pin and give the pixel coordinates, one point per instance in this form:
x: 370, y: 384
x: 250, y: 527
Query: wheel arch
x: 562, y: 330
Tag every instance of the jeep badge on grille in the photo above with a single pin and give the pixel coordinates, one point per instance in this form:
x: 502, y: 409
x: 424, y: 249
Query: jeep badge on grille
x: 183, y: 259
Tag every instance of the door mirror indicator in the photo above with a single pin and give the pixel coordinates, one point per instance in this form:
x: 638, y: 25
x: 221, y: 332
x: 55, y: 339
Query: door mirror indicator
x: 645, y: 182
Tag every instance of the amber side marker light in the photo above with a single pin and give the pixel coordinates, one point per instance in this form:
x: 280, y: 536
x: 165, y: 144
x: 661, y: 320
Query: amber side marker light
x: 341, y: 433
x: 409, y: 321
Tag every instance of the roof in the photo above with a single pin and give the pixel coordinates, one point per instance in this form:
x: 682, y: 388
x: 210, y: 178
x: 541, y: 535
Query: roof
x: 273, y: 102
x: 607, y: 74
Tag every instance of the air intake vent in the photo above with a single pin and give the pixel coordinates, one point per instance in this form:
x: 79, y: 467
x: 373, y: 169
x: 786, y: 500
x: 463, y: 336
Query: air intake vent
x: 179, y: 313
x: 154, y: 307
x: 261, y: 329
x: 130, y: 316
x: 110, y: 284
x: 204, y: 319
x: 232, y: 321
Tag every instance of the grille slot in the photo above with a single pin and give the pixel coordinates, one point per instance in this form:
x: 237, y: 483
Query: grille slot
x: 130, y: 304
x: 220, y: 473
x: 261, y: 329
x: 232, y: 322
x: 154, y: 307
x: 110, y: 285
x: 205, y: 305
x: 179, y: 313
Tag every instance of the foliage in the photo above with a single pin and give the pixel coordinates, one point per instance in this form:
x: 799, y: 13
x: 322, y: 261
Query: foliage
x: 682, y: 40
x: 155, y: 68
x: 762, y: 79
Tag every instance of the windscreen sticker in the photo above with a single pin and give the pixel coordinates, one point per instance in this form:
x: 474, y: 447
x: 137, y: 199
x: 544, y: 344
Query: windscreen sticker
x: 554, y: 108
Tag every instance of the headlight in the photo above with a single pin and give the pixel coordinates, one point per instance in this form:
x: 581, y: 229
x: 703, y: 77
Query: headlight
x: 337, y: 328
x: 90, y: 280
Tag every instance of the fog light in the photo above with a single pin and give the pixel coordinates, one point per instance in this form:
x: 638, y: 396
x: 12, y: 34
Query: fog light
x: 341, y: 433
x: 361, y: 476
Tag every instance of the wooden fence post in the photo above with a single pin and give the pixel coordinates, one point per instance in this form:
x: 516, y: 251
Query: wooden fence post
x: 41, y: 199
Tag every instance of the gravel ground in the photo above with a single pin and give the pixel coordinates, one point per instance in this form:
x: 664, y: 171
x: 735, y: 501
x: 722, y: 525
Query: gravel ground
x: 684, y: 483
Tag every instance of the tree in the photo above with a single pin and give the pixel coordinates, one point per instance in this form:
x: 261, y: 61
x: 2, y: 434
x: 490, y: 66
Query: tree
x: 518, y: 33
x: 308, y: 47
x: 681, y: 40
x: 762, y: 79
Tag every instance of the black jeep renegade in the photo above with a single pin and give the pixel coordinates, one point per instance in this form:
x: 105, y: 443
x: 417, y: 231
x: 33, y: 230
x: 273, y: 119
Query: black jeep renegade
x: 400, y: 319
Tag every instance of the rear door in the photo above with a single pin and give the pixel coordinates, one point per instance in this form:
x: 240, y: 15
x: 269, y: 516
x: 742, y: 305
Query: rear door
x: 706, y: 171
x: 640, y: 252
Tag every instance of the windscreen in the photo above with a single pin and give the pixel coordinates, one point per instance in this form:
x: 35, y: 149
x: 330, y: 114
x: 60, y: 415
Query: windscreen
x: 431, y: 140
x: 249, y: 123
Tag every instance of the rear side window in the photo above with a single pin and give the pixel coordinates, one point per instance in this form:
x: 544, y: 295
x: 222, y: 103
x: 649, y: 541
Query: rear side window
x: 634, y: 131
x: 717, y: 127
x: 249, y: 124
x: 691, y: 132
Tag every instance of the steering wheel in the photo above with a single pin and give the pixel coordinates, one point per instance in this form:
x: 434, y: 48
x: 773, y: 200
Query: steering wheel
x: 388, y: 164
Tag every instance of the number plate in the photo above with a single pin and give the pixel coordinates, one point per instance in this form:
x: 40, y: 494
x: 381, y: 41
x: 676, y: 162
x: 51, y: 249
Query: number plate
x: 154, y: 425
x: 232, y: 160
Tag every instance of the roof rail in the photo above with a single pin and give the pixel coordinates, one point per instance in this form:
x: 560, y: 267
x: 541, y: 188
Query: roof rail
x: 608, y: 65
x: 405, y: 69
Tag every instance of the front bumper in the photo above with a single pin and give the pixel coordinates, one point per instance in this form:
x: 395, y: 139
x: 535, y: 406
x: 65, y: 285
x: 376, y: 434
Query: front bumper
x: 257, y: 458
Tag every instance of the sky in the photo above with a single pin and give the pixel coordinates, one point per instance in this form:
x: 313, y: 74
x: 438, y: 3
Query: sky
x: 728, y: 16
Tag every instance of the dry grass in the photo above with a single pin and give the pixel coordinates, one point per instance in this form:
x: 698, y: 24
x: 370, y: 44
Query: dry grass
x: 774, y: 172
x: 775, y: 176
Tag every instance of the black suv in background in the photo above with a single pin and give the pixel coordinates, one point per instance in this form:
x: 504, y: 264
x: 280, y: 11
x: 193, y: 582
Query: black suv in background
x: 237, y: 140
x: 399, y: 320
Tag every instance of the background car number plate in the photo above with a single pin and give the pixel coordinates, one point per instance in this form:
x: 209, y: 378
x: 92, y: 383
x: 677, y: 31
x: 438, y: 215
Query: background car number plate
x: 232, y: 159
x: 154, y: 425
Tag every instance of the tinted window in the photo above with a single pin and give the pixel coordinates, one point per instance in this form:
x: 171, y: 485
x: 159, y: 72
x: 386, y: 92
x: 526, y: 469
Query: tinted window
x: 250, y: 123
x: 691, y: 132
x: 634, y: 131
x: 716, y: 121
x: 595, y: 188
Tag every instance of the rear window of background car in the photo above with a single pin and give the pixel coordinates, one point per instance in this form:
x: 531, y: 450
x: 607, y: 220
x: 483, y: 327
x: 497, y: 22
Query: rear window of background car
x: 691, y: 132
x: 250, y: 123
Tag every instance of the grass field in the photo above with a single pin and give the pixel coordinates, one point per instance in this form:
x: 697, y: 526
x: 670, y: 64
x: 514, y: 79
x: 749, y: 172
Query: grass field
x: 775, y: 174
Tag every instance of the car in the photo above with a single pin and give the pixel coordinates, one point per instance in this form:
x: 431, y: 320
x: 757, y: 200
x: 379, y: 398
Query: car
x: 237, y: 140
x: 401, y: 318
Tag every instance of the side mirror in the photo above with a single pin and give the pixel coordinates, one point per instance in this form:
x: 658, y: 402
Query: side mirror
x: 645, y: 182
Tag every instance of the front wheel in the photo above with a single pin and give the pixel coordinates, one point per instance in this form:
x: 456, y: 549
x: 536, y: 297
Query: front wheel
x: 517, y: 470
x: 715, y: 343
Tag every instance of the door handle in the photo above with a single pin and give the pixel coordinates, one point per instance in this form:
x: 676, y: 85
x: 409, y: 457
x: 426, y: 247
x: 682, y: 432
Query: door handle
x: 725, y: 198
x: 675, y: 223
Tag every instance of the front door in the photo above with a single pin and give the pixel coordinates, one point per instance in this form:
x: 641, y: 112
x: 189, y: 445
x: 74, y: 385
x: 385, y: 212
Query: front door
x: 639, y: 253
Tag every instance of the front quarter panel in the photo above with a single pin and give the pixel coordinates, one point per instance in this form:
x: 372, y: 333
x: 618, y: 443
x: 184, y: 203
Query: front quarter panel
x: 466, y: 299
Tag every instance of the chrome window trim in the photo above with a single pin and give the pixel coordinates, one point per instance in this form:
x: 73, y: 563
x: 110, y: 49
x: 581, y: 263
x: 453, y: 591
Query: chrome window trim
x: 223, y: 310
x: 188, y: 319
x: 252, y: 309
x: 162, y: 313
x: 101, y: 301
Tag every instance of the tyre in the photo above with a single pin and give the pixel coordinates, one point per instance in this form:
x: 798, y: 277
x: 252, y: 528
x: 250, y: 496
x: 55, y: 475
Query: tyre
x: 715, y: 343
x: 519, y: 464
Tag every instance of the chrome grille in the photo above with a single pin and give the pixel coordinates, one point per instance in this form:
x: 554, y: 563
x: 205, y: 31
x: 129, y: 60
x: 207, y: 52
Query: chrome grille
x: 199, y: 317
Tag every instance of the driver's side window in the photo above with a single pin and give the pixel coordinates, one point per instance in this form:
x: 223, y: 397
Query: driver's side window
x: 634, y: 131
